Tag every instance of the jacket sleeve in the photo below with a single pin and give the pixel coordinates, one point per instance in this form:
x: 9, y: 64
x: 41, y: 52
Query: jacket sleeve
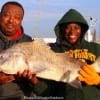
x: 96, y: 49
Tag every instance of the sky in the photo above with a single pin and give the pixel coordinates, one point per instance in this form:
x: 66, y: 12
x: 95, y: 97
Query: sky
x: 41, y: 16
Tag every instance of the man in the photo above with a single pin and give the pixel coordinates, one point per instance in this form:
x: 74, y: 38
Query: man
x: 11, y: 32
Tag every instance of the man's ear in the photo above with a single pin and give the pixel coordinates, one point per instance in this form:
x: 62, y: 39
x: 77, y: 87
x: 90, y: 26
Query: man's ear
x: 0, y: 14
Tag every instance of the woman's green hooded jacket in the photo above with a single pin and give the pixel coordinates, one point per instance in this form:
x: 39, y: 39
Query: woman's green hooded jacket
x: 86, y: 51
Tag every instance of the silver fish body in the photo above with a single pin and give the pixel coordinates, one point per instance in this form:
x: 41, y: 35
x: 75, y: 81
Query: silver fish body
x: 40, y: 59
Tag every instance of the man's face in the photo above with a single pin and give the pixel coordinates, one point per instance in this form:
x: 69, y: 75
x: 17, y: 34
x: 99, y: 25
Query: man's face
x: 73, y: 32
x: 11, y: 19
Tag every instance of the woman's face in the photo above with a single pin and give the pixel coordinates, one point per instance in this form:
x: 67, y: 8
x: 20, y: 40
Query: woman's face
x: 72, y: 32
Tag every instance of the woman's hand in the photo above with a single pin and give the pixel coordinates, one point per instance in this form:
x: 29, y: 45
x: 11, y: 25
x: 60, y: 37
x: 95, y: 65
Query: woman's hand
x: 29, y: 76
x: 89, y: 75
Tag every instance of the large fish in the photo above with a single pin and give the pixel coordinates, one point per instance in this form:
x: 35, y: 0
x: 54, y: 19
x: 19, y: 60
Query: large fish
x: 40, y: 59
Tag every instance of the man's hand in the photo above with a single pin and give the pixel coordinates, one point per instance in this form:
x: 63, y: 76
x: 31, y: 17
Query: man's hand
x: 29, y: 76
x: 5, y: 78
x: 89, y: 75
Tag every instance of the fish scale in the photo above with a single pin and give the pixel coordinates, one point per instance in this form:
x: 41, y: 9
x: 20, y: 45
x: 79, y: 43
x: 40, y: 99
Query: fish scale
x: 40, y: 59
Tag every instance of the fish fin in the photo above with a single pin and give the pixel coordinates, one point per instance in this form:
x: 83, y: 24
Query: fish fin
x: 65, y: 76
x: 37, y: 67
x: 76, y: 84
x: 41, y: 42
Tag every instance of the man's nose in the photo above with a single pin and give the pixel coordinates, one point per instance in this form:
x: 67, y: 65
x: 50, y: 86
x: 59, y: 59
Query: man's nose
x: 11, y: 19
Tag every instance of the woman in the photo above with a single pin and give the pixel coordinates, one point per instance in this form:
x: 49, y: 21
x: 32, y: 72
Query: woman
x: 70, y: 31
